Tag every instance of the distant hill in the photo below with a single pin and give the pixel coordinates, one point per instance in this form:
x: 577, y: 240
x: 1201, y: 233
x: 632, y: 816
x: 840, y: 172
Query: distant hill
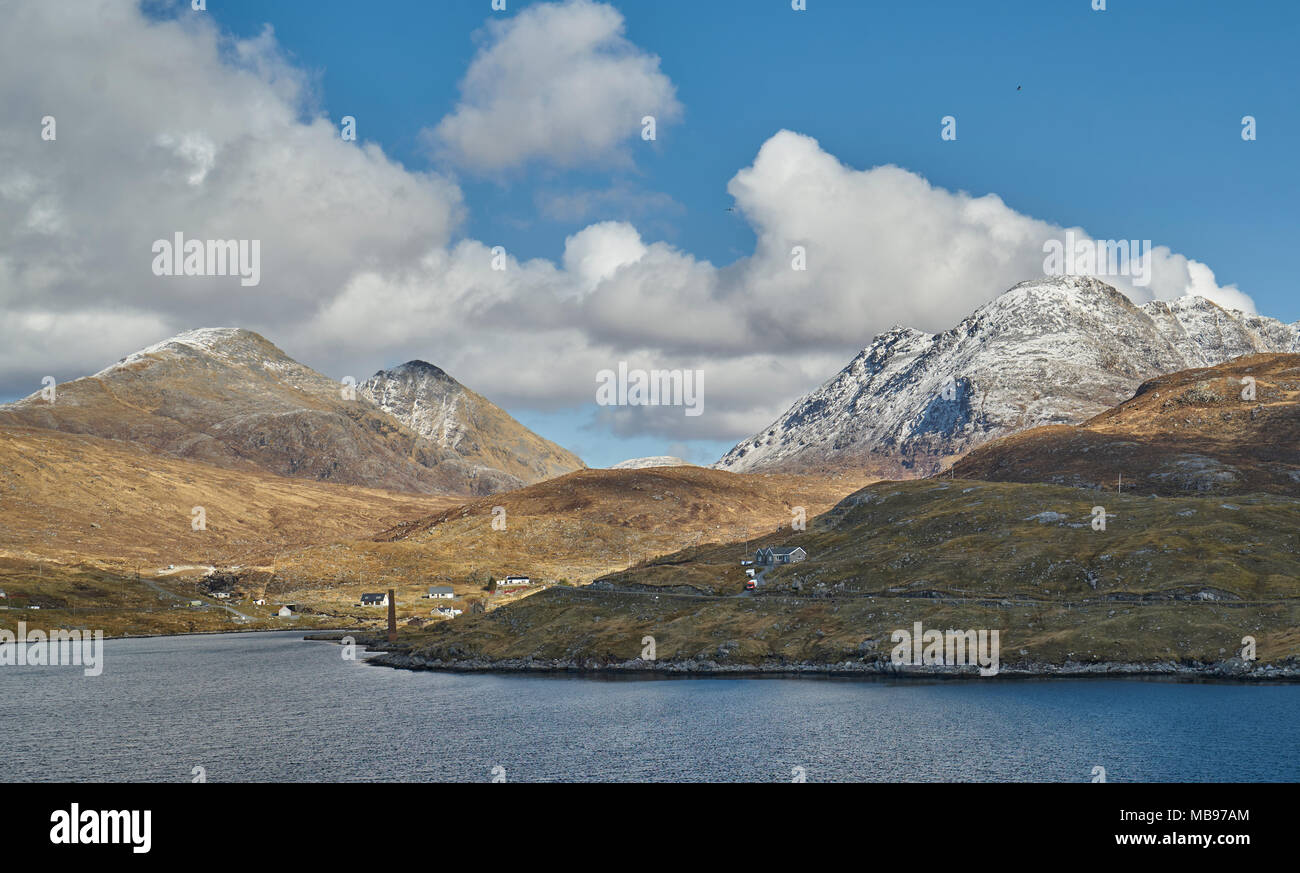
x: 1185, y: 433
x: 230, y: 398
x: 653, y: 461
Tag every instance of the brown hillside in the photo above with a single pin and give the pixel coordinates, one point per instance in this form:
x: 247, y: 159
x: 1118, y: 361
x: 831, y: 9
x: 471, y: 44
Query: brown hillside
x: 74, y: 497
x: 1187, y: 432
x: 79, y: 514
x: 573, y: 528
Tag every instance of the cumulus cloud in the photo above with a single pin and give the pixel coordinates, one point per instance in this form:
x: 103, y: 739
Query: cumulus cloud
x: 558, y: 83
x: 597, y: 252
x: 167, y: 126
x: 885, y: 247
x: 1174, y: 275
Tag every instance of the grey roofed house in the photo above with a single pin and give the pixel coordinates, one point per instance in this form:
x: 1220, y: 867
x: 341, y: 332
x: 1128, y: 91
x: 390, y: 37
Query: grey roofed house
x: 780, y: 555
x: 374, y: 599
x: 442, y: 591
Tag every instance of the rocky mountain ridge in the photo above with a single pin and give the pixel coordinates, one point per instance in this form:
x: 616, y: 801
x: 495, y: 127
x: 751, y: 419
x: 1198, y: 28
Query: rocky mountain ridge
x: 1049, y: 351
x: 455, y: 419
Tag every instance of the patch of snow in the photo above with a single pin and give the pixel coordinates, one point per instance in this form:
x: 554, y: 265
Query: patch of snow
x: 1049, y: 351
x: 652, y: 461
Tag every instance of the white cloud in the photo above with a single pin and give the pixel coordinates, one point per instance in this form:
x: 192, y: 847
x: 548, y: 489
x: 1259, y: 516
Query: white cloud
x: 886, y: 247
x: 1174, y: 276
x: 166, y: 126
x: 558, y: 83
x: 596, y: 252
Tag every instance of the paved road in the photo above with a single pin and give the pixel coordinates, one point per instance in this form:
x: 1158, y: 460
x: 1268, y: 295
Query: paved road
x: 992, y: 599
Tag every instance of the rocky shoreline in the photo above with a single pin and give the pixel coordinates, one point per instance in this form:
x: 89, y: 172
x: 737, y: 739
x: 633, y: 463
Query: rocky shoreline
x: 1233, y: 669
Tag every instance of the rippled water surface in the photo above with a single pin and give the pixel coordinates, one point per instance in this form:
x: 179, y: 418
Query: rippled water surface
x: 272, y: 707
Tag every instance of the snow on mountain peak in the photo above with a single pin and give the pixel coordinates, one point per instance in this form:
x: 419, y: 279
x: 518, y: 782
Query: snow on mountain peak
x: 1051, y: 350
x: 423, y: 397
x: 234, y: 345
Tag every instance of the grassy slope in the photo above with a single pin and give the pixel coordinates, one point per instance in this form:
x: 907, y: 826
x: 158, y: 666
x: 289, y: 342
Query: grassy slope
x: 570, y: 625
x: 499, y: 441
x: 571, y: 529
x: 950, y: 554
x: 79, y: 515
x: 89, y: 595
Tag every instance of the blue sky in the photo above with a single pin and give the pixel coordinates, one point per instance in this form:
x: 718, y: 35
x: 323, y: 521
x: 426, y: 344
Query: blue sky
x: 1127, y: 121
x: 1127, y: 124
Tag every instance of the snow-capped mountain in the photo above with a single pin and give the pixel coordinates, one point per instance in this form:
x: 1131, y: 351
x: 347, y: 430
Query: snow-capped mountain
x: 1049, y: 351
x: 449, y: 415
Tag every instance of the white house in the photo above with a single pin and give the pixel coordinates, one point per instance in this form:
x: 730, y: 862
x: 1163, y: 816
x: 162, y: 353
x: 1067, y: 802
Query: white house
x: 516, y: 580
x: 447, y: 611
x: 374, y: 599
x: 284, y: 612
x: 441, y: 591
x: 261, y: 601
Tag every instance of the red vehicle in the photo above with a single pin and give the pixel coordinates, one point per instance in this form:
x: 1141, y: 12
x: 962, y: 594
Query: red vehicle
x: 750, y: 584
